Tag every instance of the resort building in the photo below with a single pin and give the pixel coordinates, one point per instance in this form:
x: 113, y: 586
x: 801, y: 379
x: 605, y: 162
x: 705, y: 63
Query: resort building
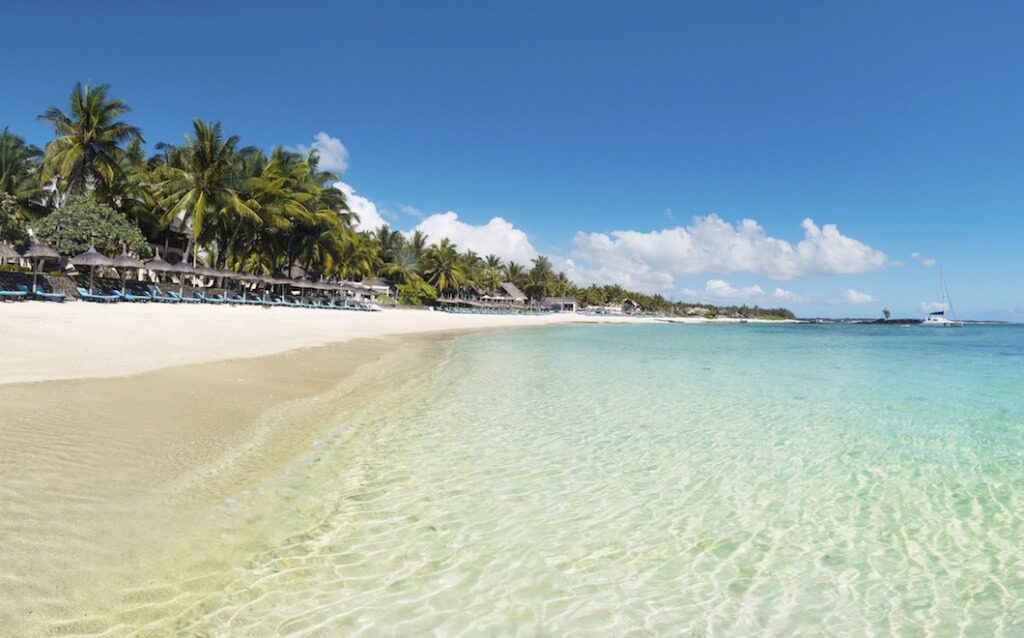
x: 560, y: 304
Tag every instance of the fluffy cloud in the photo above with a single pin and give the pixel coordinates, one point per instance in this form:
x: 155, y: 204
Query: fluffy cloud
x: 787, y: 296
x: 369, y: 217
x: 717, y: 290
x: 410, y: 210
x: 497, y: 236
x: 712, y: 245
x: 852, y: 296
x: 333, y: 154
x: 927, y: 262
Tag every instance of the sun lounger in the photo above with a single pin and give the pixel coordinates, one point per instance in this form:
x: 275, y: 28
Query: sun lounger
x: 128, y: 295
x: 94, y: 296
x: 159, y: 295
x: 178, y: 297
x: 40, y: 293
x: 199, y: 296
x: 6, y: 293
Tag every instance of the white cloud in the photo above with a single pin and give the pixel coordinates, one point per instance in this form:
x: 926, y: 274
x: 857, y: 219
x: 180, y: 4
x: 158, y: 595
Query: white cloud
x: 712, y: 245
x: 369, y: 217
x: 718, y: 290
x: 410, y: 210
x: 787, y: 296
x: 333, y: 154
x: 497, y: 236
x: 852, y: 296
x: 932, y: 306
x: 927, y: 262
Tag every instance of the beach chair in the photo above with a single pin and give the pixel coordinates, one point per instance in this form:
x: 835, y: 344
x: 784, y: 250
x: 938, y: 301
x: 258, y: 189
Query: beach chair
x: 128, y: 295
x: 160, y: 296
x: 86, y: 295
x: 7, y: 293
x: 41, y: 293
x: 181, y: 299
x: 200, y: 296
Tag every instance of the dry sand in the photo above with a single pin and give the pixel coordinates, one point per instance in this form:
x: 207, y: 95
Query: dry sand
x: 43, y: 341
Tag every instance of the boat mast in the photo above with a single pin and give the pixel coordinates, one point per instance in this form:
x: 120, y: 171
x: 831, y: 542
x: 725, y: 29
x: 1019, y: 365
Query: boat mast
x: 946, y: 301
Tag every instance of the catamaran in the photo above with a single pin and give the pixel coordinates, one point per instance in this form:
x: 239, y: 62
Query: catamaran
x: 938, y: 319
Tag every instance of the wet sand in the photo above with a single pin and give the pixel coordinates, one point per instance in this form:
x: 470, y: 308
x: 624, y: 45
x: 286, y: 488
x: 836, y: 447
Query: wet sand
x: 104, y: 482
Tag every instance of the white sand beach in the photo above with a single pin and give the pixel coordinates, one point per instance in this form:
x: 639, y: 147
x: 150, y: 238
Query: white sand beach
x: 41, y: 342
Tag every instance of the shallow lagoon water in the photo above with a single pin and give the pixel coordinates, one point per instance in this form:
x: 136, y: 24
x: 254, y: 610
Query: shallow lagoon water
x: 698, y: 480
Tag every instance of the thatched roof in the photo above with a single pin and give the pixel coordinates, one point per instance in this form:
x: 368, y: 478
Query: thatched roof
x: 376, y: 282
x: 512, y: 292
x: 8, y: 252
x: 91, y: 258
x: 124, y: 260
x: 158, y: 264
x: 41, y: 251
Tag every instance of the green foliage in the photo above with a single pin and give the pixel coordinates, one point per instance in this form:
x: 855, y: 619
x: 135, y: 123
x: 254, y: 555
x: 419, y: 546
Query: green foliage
x: 19, y: 178
x: 416, y: 292
x: 242, y: 208
x: 87, y: 151
x: 83, y: 222
x: 13, y: 228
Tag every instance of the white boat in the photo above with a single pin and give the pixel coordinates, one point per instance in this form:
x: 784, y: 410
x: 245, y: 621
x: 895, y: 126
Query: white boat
x: 938, y: 319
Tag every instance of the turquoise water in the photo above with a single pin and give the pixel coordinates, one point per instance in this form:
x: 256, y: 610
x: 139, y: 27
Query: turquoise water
x: 696, y: 480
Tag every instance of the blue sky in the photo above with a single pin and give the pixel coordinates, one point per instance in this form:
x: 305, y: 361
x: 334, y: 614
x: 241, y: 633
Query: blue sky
x: 900, y: 123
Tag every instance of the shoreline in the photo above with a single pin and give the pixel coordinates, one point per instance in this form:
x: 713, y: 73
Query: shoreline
x: 50, y: 342
x: 109, y: 483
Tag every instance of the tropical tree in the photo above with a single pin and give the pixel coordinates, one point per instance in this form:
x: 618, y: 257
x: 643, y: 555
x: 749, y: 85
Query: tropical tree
x: 515, y: 273
x: 12, y: 225
x: 87, y: 151
x: 418, y: 244
x: 19, y: 177
x: 444, y: 268
x: 358, y: 257
x: 390, y: 242
x: 202, y: 180
x: 492, y: 273
x: 402, y: 267
x: 82, y: 222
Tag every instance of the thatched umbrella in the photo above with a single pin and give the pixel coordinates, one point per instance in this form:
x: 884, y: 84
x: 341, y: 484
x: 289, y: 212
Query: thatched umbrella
x: 92, y: 259
x: 182, y: 268
x: 124, y: 262
x: 243, y: 276
x: 205, y: 271
x: 8, y: 252
x: 37, y: 254
x: 158, y: 265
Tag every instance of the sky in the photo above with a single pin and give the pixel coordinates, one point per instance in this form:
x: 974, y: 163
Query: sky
x: 824, y: 156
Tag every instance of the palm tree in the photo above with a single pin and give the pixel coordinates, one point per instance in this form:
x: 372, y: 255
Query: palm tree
x: 358, y: 258
x: 418, y: 244
x: 87, y: 150
x: 402, y: 268
x: 390, y: 242
x: 516, y: 274
x: 19, y: 165
x: 472, y: 267
x: 443, y: 267
x: 204, y: 181
x: 492, y: 272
